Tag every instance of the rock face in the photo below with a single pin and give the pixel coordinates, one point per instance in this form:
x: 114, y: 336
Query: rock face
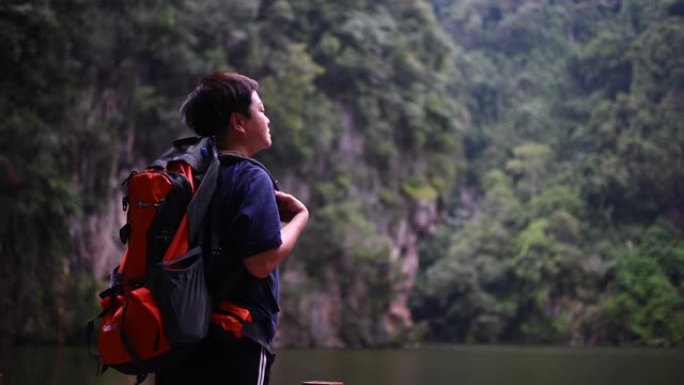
x: 339, y: 311
x: 96, y: 238
x: 404, y: 255
x: 354, y: 299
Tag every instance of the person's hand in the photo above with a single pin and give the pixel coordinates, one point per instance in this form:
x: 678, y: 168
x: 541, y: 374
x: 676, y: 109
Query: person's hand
x: 289, y: 206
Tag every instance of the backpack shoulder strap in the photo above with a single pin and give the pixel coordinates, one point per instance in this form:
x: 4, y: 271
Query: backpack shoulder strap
x: 229, y: 157
x: 201, y: 201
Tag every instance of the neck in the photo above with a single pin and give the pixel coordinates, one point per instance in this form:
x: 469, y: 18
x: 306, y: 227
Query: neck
x: 233, y: 152
x: 230, y: 146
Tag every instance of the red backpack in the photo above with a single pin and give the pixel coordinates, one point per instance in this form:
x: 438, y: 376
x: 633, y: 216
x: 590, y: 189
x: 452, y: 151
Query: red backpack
x: 157, y: 305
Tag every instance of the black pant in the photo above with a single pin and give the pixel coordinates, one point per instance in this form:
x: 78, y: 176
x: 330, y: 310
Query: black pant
x: 226, y: 361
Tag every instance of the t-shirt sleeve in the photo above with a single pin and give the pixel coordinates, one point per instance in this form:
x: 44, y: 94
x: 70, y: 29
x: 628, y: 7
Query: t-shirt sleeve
x: 259, y: 214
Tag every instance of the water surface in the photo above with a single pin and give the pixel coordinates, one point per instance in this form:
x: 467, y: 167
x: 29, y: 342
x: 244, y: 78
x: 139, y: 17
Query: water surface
x: 448, y: 365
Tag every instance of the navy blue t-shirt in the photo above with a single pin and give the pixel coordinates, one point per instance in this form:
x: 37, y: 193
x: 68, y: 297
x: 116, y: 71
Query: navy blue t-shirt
x: 249, y: 224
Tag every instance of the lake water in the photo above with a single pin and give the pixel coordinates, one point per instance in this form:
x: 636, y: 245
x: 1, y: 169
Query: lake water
x: 453, y: 365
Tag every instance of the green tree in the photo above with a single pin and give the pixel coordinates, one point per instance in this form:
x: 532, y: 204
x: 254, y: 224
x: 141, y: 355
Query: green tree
x: 644, y: 305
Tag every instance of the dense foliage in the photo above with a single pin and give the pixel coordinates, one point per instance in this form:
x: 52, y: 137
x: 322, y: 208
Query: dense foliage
x: 532, y: 149
x: 576, y: 154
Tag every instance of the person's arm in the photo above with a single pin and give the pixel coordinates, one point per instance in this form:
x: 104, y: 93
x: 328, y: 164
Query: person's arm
x: 295, y: 215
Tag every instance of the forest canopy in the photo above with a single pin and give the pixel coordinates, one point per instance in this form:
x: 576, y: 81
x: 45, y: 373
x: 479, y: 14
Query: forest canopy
x: 477, y: 171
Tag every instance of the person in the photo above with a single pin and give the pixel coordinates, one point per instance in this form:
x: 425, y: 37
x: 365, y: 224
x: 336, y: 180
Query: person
x: 254, y: 226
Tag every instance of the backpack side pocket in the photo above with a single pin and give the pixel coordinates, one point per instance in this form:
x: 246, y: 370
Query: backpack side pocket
x: 184, y: 297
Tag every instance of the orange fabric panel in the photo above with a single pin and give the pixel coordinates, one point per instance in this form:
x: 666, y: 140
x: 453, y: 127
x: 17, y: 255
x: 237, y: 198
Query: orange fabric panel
x: 180, y: 243
x: 228, y: 322
x: 143, y: 325
x: 183, y: 168
x: 145, y: 190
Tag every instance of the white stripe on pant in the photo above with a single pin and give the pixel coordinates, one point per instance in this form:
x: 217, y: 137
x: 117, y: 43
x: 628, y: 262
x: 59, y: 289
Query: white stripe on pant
x: 262, y: 367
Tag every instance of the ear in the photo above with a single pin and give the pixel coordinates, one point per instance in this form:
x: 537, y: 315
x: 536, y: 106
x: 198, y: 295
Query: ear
x: 236, y: 121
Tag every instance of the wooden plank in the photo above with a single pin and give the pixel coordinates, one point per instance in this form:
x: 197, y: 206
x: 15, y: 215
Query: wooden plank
x: 318, y: 383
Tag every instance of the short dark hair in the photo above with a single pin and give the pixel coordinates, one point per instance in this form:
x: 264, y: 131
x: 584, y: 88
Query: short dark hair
x: 208, y: 107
